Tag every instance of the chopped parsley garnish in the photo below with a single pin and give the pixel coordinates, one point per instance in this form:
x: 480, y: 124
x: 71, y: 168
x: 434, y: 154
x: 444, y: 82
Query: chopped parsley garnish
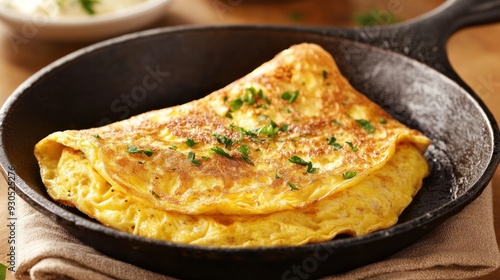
x: 338, y: 123
x: 205, y: 157
x: 383, y: 121
x: 276, y: 176
x: 353, y: 147
x: 88, y: 5
x: 270, y: 130
x: 287, y: 110
x: 229, y: 115
x: 292, y: 186
x: 224, y: 140
x: 262, y: 118
x: 325, y: 74
x: 300, y: 161
x: 174, y: 147
x: 220, y: 151
x: 244, y: 149
x: 249, y: 96
x: 366, y: 125
x: 290, y: 96
x: 337, y: 146
x: 133, y: 150
x: 349, y: 174
x: 332, y: 141
x: 190, y: 142
x: 97, y: 136
x: 252, y: 90
x: 192, y: 158
x: 260, y: 141
x: 247, y: 132
x: 284, y: 128
x: 236, y: 104
x: 310, y: 168
x: 263, y: 97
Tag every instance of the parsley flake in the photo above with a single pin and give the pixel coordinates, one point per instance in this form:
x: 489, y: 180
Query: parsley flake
x: 192, y: 158
x: 290, y: 96
x: 224, y: 140
x: 244, y: 149
x: 337, y: 146
x: 134, y: 150
x: 262, y: 118
x: 263, y: 97
x: 353, y: 147
x: 284, y: 128
x: 220, y: 151
x: 366, y: 125
x: 190, y: 142
x: 332, y: 141
x: 286, y: 110
x: 338, y: 123
x: 292, y: 186
x: 383, y: 121
x: 236, y: 104
x: 310, y: 168
x: 270, y: 130
x: 349, y: 174
x: 88, y: 5
x: 325, y: 74
x: 249, y: 133
x: 249, y: 96
x: 298, y: 160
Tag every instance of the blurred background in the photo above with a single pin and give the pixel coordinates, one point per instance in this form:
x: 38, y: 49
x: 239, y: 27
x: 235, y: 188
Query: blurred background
x: 473, y: 52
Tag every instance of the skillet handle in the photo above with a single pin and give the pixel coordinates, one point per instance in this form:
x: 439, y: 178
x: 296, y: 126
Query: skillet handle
x: 424, y: 38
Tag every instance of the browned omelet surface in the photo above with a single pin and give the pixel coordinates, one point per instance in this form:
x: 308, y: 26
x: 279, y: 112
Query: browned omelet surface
x: 287, y: 155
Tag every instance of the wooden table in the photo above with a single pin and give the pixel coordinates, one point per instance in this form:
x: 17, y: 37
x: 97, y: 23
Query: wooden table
x: 474, y: 52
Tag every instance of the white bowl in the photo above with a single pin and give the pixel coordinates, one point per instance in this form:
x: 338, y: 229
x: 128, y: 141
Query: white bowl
x: 89, y: 28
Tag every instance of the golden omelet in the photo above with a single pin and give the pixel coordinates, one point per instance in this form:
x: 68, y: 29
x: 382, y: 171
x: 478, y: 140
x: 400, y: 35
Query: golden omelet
x: 287, y: 155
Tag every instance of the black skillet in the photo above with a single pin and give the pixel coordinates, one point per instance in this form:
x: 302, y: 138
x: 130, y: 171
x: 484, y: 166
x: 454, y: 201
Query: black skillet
x: 404, y: 68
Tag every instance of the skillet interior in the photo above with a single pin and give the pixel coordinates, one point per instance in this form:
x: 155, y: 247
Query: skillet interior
x: 86, y: 89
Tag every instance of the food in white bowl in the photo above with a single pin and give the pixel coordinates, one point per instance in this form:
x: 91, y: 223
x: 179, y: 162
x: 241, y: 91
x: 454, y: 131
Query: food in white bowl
x: 78, y: 20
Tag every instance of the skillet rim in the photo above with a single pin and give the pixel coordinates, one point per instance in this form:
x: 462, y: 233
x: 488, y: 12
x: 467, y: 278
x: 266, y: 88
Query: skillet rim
x: 57, y: 213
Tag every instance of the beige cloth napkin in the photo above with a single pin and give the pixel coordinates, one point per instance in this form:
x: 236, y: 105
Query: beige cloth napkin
x: 463, y: 247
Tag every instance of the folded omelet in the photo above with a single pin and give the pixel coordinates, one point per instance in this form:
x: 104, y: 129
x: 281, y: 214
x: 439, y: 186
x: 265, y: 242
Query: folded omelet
x: 287, y: 155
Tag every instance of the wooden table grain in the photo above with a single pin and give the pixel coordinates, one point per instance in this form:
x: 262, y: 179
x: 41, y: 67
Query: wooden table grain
x: 473, y: 52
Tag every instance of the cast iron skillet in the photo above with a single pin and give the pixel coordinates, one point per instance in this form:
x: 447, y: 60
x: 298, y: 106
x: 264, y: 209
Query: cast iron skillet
x: 403, y: 68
